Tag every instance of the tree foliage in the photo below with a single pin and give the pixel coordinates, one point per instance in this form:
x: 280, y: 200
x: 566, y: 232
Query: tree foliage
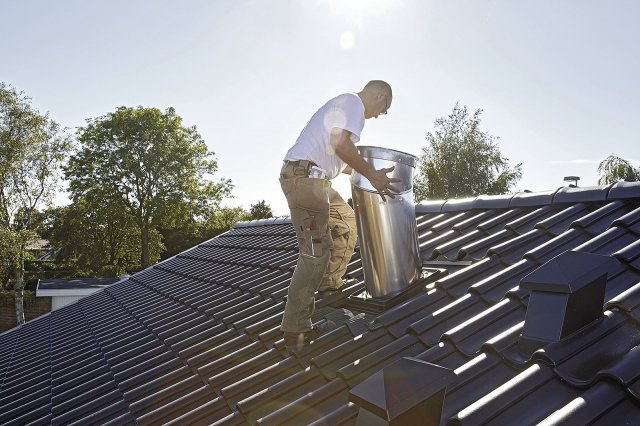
x: 146, y: 163
x: 260, y: 210
x: 101, y: 242
x: 32, y: 147
x: 614, y: 168
x: 460, y: 160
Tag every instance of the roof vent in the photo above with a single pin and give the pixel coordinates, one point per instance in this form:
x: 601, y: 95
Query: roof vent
x: 567, y: 293
x: 573, y: 179
x: 408, y: 392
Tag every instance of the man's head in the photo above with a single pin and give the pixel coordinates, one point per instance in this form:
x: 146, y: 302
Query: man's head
x: 376, y: 97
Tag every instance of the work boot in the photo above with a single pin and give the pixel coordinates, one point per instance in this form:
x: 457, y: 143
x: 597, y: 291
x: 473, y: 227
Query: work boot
x: 330, y: 291
x: 296, y: 341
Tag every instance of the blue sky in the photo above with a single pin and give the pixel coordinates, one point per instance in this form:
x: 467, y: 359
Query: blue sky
x: 557, y: 80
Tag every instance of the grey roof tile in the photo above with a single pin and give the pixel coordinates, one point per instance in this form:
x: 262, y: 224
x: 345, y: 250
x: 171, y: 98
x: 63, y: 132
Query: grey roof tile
x: 263, y: 402
x: 603, y: 404
x: 495, y: 287
x: 206, y: 413
x: 568, y: 240
x: 508, y: 401
x: 627, y: 301
x: 470, y: 336
x: 569, y: 194
x: 324, y: 400
x: 196, y: 340
x: 354, y: 373
x: 531, y: 199
x: 431, y: 327
x: 624, y: 190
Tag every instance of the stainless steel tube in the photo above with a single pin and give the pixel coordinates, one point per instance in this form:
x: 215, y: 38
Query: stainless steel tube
x: 387, y: 229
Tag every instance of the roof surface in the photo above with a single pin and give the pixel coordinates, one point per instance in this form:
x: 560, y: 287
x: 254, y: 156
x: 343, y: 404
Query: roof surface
x: 195, y: 340
x: 76, y: 283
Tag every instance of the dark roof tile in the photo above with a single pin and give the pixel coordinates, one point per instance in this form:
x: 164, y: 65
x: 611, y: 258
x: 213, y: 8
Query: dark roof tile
x: 531, y: 199
x: 560, y: 222
x: 397, y: 319
x: 528, y: 221
x: 609, y: 242
x: 196, y: 339
x: 261, y: 379
x: 627, y: 301
x: 457, y: 283
x: 459, y: 204
x: 244, y: 369
x: 624, y: 190
x: 324, y: 400
x: 429, y: 206
x: 206, y: 413
x: 406, y: 345
x: 568, y: 240
x: 604, y: 403
x: 477, y: 377
x: 175, y: 401
x: 469, y: 336
x: 513, y: 250
x: 496, y: 286
x: 493, y: 201
x: 478, y: 249
x: 431, y: 327
x: 452, y: 249
x: 601, y: 219
x: 266, y: 401
x: 571, y: 195
x: 509, y: 400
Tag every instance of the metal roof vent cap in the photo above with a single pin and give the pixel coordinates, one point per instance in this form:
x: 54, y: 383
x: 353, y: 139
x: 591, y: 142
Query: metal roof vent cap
x: 567, y: 293
x: 408, y: 392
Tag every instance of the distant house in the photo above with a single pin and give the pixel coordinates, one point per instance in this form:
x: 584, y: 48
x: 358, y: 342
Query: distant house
x: 63, y: 292
x: 41, y: 250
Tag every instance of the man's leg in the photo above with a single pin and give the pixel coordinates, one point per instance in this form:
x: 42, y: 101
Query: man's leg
x: 309, y: 204
x: 342, y: 223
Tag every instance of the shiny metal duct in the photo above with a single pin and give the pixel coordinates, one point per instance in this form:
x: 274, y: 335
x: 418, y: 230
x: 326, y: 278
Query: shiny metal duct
x: 387, y: 229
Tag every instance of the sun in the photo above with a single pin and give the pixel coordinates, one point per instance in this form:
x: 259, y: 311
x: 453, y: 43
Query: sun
x: 347, y: 40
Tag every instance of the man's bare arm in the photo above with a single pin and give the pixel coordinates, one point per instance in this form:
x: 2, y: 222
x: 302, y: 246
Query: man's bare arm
x: 347, y: 151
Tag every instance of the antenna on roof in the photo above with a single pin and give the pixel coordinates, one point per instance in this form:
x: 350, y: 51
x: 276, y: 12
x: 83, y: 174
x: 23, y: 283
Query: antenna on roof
x: 573, y: 179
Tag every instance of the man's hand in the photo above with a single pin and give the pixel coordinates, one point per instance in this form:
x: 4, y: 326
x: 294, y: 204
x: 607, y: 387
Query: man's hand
x: 380, y: 181
x: 347, y: 151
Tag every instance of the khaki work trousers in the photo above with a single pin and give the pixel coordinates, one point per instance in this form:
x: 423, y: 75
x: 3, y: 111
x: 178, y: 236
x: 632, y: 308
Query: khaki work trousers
x: 325, y: 226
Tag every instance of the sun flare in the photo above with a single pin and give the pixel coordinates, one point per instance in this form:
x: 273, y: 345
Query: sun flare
x: 356, y: 11
x: 347, y: 40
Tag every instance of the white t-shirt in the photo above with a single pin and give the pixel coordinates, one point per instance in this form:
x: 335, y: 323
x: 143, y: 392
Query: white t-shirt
x: 346, y: 112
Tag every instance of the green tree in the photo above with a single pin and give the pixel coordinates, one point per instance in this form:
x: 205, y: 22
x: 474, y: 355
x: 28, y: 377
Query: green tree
x: 614, y: 168
x: 260, y: 210
x: 145, y: 162
x: 222, y: 219
x: 32, y: 148
x: 461, y: 160
x: 101, y: 242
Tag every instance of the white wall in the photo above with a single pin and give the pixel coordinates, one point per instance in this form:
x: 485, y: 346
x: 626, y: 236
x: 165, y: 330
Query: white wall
x: 60, y: 301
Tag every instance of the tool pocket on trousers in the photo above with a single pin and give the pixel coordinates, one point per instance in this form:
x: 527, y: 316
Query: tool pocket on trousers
x: 338, y: 229
x: 312, y: 194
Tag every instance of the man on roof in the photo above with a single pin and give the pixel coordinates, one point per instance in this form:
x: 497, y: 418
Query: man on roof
x: 324, y: 223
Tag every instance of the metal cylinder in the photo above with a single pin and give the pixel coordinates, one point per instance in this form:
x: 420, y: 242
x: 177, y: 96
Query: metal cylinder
x: 387, y: 229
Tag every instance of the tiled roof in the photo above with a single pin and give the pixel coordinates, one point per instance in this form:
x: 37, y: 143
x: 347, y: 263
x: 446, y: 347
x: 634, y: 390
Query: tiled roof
x: 195, y: 340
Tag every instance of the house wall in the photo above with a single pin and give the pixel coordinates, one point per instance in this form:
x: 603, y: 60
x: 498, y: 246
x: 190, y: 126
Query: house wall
x: 32, y: 309
x: 60, y: 301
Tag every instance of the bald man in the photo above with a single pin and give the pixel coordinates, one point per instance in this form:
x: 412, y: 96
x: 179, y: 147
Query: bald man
x: 324, y: 223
